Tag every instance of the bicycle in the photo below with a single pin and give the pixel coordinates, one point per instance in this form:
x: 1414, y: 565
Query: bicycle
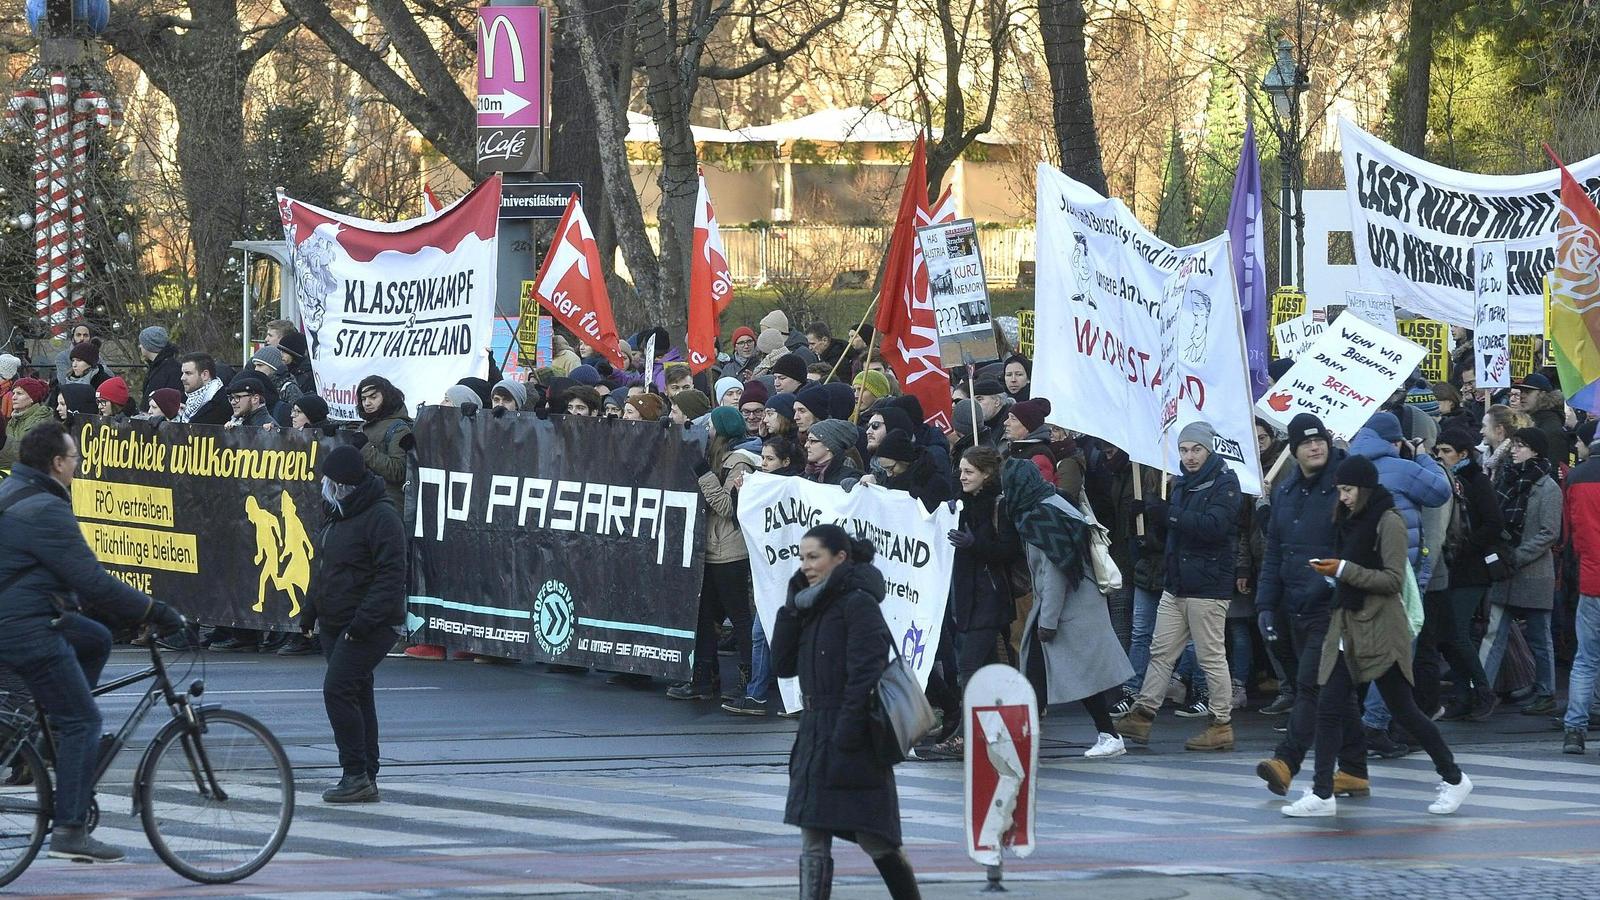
x: 206, y: 782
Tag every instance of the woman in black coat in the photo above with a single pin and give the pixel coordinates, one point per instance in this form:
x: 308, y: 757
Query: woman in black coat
x: 986, y: 546
x: 832, y: 635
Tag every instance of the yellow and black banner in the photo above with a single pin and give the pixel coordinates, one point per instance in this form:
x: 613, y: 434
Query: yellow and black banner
x: 215, y: 521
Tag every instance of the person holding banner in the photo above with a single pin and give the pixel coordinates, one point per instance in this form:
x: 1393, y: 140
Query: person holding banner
x: 831, y: 634
x: 827, y: 445
x: 779, y: 456
x: 385, y: 436
x: 987, y: 547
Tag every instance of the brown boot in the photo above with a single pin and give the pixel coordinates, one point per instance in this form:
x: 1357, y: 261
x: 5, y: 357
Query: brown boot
x: 1275, y: 772
x: 1216, y: 737
x: 1135, y: 726
x: 1350, y: 786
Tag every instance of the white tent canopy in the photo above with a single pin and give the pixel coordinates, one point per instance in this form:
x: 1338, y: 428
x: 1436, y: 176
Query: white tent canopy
x: 642, y: 130
x: 855, y: 125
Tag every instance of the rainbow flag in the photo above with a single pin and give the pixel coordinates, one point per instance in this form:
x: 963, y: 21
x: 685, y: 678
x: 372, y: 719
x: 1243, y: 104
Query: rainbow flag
x: 1574, y: 315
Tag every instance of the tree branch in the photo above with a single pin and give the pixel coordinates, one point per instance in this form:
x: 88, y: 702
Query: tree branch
x: 771, y: 55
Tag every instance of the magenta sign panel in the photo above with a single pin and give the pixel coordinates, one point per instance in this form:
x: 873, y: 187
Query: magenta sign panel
x: 513, y: 79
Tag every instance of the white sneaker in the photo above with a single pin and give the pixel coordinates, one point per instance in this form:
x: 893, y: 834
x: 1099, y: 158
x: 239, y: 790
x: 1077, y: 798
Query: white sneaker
x: 1451, y: 796
x: 1106, y: 747
x: 1310, y: 806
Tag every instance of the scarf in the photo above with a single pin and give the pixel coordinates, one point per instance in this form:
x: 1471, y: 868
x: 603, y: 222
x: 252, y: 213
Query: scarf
x: 1053, y: 530
x: 1497, y: 459
x: 193, y: 402
x: 1358, y: 544
x: 1515, y: 489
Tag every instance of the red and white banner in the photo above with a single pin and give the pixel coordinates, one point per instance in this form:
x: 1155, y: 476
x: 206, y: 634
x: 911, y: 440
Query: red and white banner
x: 571, y: 287
x: 710, y: 284
x: 412, y: 301
x: 906, y: 323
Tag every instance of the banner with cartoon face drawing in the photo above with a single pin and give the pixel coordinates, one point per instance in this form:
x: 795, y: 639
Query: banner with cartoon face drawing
x: 412, y: 301
x: 1136, y: 338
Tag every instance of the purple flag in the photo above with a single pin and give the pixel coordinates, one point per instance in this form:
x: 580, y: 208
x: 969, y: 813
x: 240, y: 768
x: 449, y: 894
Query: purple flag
x: 1250, y: 259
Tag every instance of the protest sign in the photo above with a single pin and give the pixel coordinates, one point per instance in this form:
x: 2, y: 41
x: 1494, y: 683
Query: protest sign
x: 1524, y: 347
x: 1371, y: 306
x: 1287, y: 303
x: 1435, y: 338
x: 1294, y: 336
x: 913, y: 553
x: 215, y: 521
x: 575, y: 540
x: 1105, y: 288
x: 1414, y: 224
x: 959, y: 292
x: 412, y: 301
x: 1491, y: 335
x: 1343, y: 377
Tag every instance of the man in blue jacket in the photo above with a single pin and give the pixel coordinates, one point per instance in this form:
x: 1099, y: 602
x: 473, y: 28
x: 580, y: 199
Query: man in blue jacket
x: 46, y: 570
x: 1202, y: 543
x: 1294, y: 603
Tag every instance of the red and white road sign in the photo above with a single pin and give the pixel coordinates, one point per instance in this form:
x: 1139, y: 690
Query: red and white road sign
x: 1001, y: 727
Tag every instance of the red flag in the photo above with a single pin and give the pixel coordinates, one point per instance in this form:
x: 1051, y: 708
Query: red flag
x: 430, y: 200
x: 909, y: 333
x: 710, y: 284
x: 570, y: 285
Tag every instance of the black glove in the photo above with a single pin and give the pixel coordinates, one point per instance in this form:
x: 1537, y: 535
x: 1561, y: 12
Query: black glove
x: 1137, y: 506
x: 469, y: 410
x: 163, y: 618
x: 1046, y: 635
x: 408, y: 443
x: 358, y: 439
x: 960, y: 539
x: 329, y: 429
x: 499, y: 412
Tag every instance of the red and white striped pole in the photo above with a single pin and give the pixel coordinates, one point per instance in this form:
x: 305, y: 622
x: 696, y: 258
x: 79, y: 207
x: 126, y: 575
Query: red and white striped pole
x: 58, y: 307
x: 89, y: 109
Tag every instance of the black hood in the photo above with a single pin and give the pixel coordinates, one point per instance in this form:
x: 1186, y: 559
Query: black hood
x: 368, y: 492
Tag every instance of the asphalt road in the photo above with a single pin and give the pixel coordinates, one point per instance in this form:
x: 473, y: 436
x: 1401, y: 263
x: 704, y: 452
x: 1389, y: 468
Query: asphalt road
x: 514, y: 781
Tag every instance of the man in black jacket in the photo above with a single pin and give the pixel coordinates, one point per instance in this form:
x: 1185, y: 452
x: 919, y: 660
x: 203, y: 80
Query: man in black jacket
x: 160, y: 363
x: 1449, y: 605
x: 1294, y: 603
x: 204, y: 401
x: 357, y: 603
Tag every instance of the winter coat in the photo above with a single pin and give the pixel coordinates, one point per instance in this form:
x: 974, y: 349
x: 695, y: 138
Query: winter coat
x: 1583, y: 522
x: 41, y: 538
x: 1377, y: 636
x: 1533, y: 584
x: 358, y: 580
x: 1436, y: 520
x: 216, y: 411
x: 303, y: 376
x: 724, y: 542
x: 980, y: 583
x: 1150, y: 551
x: 1035, y: 448
x: 1299, y: 528
x: 17, y: 427
x: 922, y: 481
x: 1085, y: 656
x: 1554, y: 426
x: 257, y: 418
x: 838, y: 649
x: 841, y: 471
x: 1202, y: 532
x: 162, y: 372
x: 1477, y: 523
x: 385, y: 452
x: 1415, y: 484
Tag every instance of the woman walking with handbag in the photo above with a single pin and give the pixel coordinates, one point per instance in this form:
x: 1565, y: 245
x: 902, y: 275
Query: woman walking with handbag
x: 1069, y: 651
x: 832, y: 635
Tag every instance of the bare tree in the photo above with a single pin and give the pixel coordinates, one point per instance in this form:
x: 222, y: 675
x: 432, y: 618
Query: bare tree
x: 1061, y: 27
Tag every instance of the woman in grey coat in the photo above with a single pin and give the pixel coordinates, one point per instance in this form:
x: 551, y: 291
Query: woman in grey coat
x: 1531, y: 503
x: 1070, y: 651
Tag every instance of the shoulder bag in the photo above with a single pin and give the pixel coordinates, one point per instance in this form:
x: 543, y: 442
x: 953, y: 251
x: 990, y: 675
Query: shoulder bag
x: 898, y: 712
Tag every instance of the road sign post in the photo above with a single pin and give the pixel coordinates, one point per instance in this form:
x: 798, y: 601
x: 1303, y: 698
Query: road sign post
x: 1000, y: 722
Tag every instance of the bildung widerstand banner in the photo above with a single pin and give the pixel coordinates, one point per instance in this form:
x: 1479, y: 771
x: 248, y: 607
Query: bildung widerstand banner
x: 569, y: 540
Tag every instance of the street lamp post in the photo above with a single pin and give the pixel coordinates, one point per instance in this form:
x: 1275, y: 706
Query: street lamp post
x: 1284, y: 83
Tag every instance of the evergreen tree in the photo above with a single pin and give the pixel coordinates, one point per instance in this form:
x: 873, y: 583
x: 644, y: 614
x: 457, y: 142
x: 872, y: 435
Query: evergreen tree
x: 293, y: 146
x: 1221, y: 138
x: 1175, y: 216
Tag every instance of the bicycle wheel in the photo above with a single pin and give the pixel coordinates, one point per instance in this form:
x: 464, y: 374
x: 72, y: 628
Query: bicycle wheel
x: 24, y: 808
x: 216, y: 805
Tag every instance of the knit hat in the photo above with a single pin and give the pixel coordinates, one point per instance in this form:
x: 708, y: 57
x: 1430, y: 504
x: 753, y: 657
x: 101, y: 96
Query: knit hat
x: 1279, y: 368
x: 792, y: 366
x: 9, y: 366
x: 743, y: 331
x: 814, y: 398
x: 874, y: 383
x: 479, y: 386
x: 835, y: 434
x: 1533, y: 381
x: 1386, y: 426
x: 88, y: 351
x: 293, y: 342
x: 898, y: 446
x: 344, y: 466
x: 1461, y: 437
x: 170, y: 401
x: 34, y: 388
x: 1533, y: 439
x: 247, y: 383
x: 1305, y: 427
x: 961, y: 418
x: 316, y: 409
x: 1031, y: 413
x: 754, y: 392
x: 913, y: 410
x: 726, y: 421
x: 866, y: 331
x: 894, y: 419
x: 114, y: 390
x: 771, y: 339
x: 987, y: 386
x: 693, y: 403
x: 649, y: 406
x: 461, y: 395
x: 1199, y: 431
x: 585, y: 374
x: 1026, y: 363
x: 516, y: 390
x: 1356, y: 471
x: 724, y: 385
x: 272, y: 356
x: 841, y: 399
x: 777, y: 320
x: 155, y: 339
x: 782, y: 404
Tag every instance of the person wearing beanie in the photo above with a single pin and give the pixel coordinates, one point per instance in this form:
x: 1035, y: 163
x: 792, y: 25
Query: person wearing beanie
x: 585, y: 375
x: 901, y: 465
x: 645, y: 407
x: 770, y: 342
x: 84, y: 366
x: 746, y: 355
x: 1029, y: 437
x: 884, y: 419
x: 826, y: 446
x: 478, y: 386
x: 1202, y: 537
x: 112, y: 397
x: 870, y: 387
x: 509, y: 395
x: 753, y: 406
x: 310, y: 411
x: 860, y: 337
x: 811, y: 405
x: 689, y: 406
x: 74, y: 399
x: 162, y: 367
x: 1369, y: 638
x: 778, y: 420
x: 166, y: 403
x: 789, y: 373
x: 28, y: 411
x: 79, y: 333
x: 841, y: 400
x: 993, y: 404
x: 1531, y: 506
x: 459, y: 395
x: 247, y: 398
x: 729, y: 391
x: 385, y: 433
x: 10, y: 369
x: 726, y: 422
x: 357, y: 604
x: 1017, y: 377
x: 269, y: 362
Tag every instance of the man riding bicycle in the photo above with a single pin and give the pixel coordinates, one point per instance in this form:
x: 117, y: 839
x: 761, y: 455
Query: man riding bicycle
x: 48, y: 575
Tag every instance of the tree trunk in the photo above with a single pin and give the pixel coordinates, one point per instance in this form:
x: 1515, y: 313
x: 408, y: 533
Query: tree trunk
x: 210, y: 149
x: 669, y: 98
x: 1061, y: 25
x: 1411, y: 127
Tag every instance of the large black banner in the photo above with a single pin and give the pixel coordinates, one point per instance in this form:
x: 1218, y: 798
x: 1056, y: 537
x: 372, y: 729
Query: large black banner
x: 569, y: 540
x: 215, y: 521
